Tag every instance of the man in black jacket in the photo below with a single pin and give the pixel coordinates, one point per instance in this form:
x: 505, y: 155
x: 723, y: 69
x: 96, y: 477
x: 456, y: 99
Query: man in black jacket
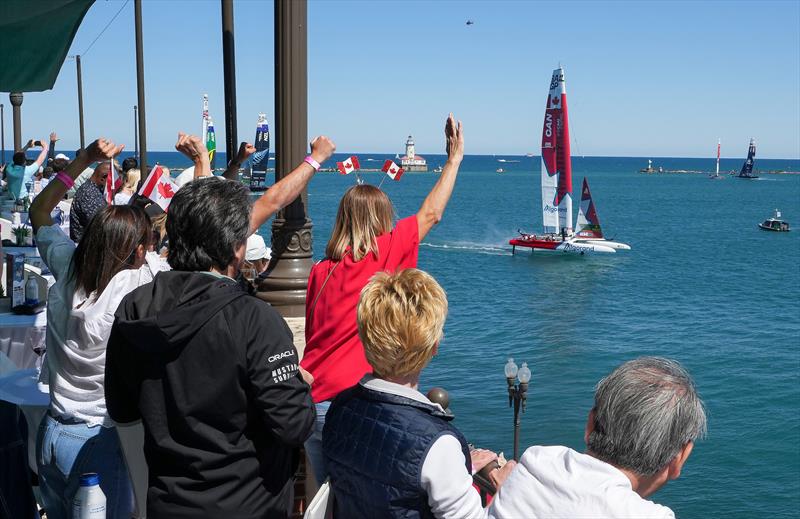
x: 210, y: 370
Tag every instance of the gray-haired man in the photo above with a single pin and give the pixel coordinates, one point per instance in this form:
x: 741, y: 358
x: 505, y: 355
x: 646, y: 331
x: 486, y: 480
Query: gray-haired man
x: 646, y: 416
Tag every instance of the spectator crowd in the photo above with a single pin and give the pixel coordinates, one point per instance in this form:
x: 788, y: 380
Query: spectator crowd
x: 153, y: 319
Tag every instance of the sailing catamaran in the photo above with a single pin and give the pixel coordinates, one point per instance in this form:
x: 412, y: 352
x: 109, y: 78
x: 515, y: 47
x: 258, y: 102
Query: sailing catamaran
x: 209, y: 135
x: 747, y: 167
x: 717, y: 176
x: 557, y: 188
x: 258, y: 164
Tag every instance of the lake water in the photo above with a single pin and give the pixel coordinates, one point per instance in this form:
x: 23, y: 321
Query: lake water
x: 702, y: 284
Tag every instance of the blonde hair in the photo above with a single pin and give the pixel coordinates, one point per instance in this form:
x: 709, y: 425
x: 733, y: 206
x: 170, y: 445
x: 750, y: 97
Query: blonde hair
x: 365, y: 212
x: 401, y: 321
x: 158, y: 224
x: 132, y: 177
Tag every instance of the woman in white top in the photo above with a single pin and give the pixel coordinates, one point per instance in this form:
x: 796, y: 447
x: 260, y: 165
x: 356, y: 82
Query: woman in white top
x: 77, y: 436
x: 130, y: 179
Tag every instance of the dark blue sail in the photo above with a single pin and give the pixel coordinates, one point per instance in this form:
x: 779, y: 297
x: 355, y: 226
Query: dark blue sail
x: 747, y: 167
x: 260, y: 159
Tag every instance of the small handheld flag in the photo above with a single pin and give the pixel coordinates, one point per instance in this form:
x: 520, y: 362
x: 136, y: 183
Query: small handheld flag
x: 349, y: 165
x: 159, y: 187
x: 113, y: 182
x: 393, y: 170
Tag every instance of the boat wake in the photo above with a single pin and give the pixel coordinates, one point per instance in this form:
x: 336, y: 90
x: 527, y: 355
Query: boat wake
x: 476, y: 248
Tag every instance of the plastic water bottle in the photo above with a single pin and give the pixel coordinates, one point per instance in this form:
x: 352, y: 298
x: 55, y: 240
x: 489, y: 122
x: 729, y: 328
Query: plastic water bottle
x: 90, y: 501
x: 31, y: 291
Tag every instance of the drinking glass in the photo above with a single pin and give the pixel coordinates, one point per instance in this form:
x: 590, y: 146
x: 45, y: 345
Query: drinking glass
x: 35, y: 340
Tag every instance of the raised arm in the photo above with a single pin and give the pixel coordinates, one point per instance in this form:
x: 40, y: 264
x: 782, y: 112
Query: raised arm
x: 284, y: 192
x: 53, y: 139
x: 42, y: 154
x: 192, y: 146
x: 433, y: 207
x: 245, y: 150
x: 46, y: 201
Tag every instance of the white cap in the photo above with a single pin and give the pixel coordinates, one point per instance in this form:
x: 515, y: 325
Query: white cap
x: 62, y: 156
x: 257, y: 249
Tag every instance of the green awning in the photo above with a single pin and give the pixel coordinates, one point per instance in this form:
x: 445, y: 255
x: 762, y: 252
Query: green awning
x: 34, y: 39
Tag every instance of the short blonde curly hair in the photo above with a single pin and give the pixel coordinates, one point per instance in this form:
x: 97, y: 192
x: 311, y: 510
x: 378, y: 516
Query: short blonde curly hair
x: 401, y: 321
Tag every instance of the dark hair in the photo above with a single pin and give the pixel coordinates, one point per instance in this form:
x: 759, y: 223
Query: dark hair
x: 60, y: 165
x: 109, y: 246
x: 129, y: 163
x: 19, y: 158
x: 47, y: 172
x: 208, y: 219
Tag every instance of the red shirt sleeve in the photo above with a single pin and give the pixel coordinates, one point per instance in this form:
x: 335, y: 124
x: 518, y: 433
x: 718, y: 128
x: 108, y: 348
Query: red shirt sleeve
x: 402, y: 249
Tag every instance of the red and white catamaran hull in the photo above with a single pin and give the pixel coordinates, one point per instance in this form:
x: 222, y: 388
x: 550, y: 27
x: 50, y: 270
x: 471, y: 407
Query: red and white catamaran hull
x: 607, y: 243
x: 567, y: 246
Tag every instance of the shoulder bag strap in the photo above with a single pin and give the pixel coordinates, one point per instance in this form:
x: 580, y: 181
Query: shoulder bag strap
x: 316, y: 298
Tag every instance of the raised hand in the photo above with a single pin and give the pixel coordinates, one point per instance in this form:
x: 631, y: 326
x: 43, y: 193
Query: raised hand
x: 100, y: 150
x: 322, y: 148
x: 455, y: 138
x: 53, y: 137
x: 245, y: 150
x: 191, y: 146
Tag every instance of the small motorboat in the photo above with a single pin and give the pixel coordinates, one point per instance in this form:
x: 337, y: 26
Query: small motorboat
x: 775, y: 223
x: 500, y: 170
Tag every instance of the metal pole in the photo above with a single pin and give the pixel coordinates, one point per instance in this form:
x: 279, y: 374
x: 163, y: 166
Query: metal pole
x: 16, y: 104
x: 516, y: 424
x: 137, y: 4
x: 292, y: 239
x: 3, y: 131
x: 229, y: 74
x: 80, y: 98
x: 135, y: 133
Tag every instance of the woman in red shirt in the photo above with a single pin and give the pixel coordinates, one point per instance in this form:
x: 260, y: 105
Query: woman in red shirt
x: 363, y: 242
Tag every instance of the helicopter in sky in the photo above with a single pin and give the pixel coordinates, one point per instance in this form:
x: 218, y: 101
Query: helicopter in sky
x: 470, y: 22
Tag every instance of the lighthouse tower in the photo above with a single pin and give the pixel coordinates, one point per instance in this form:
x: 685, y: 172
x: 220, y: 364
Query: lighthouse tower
x: 411, y: 161
x: 410, y: 147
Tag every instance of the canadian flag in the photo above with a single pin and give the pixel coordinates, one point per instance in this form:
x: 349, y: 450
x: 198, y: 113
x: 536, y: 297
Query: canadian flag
x: 349, y: 165
x: 159, y: 188
x: 393, y: 170
x: 113, y: 182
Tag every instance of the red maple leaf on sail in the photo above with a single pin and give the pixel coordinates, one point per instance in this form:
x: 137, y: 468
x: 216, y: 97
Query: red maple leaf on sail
x: 165, y: 190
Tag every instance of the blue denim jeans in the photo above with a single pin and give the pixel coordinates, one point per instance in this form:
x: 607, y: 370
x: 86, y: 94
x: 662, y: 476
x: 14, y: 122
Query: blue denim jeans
x: 313, y: 444
x: 65, y: 450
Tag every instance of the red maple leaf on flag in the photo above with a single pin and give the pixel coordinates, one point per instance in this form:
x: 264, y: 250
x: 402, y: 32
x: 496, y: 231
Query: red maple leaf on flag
x: 165, y: 190
x: 348, y: 165
x: 392, y: 170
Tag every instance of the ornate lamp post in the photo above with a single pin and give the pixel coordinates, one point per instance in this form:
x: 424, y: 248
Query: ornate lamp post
x: 517, y: 394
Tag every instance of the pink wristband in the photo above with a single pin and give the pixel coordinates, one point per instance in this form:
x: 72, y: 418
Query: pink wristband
x: 311, y: 162
x: 63, y: 177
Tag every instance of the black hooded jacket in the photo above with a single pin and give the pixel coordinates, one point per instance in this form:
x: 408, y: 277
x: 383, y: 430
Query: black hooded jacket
x: 213, y: 374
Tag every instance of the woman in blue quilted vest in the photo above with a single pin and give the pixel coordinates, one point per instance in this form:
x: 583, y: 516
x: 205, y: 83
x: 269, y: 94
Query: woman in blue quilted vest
x: 389, y: 450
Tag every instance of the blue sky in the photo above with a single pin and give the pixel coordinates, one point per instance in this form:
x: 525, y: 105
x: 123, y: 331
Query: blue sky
x: 643, y: 78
